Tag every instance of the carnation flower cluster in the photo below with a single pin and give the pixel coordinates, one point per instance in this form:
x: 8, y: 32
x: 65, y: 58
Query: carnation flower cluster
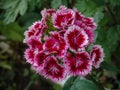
x: 58, y: 44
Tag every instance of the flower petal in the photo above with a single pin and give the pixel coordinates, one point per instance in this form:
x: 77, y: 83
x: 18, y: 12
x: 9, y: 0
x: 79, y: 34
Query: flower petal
x: 55, y: 44
x: 84, y: 22
x: 63, y: 17
x: 76, y: 38
x: 29, y: 55
x: 53, y: 70
x: 35, y: 43
x: 78, y: 64
x: 97, y: 55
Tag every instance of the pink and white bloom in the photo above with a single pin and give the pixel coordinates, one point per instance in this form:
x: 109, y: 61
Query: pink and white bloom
x: 76, y: 38
x: 29, y: 55
x: 78, y: 63
x: 84, y: 22
x: 79, y: 19
x: 55, y: 44
x: 30, y: 32
x: 97, y: 55
x: 53, y: 70
x: 89, y: 23
x: 39, y: 60
x: 62, y: 32
x: 34, y: 43
x: 58, y: 44
x: 36, y: 29
x: 90, y: 34
x: 47, y: 12
x: 63, y: 18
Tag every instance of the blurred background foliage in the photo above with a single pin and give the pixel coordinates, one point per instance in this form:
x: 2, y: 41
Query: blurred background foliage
x: 17, y: 15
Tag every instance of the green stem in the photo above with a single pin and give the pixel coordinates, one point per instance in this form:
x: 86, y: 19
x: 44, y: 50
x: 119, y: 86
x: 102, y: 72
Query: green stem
x: 34, y: 77
x: 57, y: 87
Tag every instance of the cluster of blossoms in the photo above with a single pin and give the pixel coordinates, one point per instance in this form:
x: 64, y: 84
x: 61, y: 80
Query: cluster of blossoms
x: 58, y: 44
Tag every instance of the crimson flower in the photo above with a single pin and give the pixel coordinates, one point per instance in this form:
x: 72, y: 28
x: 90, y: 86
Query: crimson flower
x: 97, y: 55
x: 84, y: 22
x: 53, y: 70
x: 39, y: 59
x: 76, y: 38
x: 35, y: 43
x: 55, y: 44
x: 63, y: 17
x: 47, y: 12
x: 36, y: 29
x: 78, y: 63
x: 29, y: 55
x: 58, y: 44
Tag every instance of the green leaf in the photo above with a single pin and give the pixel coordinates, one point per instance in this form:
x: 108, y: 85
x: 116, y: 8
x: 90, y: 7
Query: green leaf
x: 12, y: 31
x: 99, y: 2
x: 88, y: 8
x: 68, y: 83
x: 96, y: 35
x: 33, y: 4
x: 23, y: 7
x: 13, y: 8
x: 11, y: 11
x: 92, y: 79
x: 112, y: 40
x: 56, y: 3
x: 9, y: 4
x: 98, y: 15
x: 5, y: 65
x: 108, y: 38
x: 113, y: 2
x: 110, y: 67
x: 83, y: 84
x: 27, y: 19
x: 79, y: 83
x: 64, y: 2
